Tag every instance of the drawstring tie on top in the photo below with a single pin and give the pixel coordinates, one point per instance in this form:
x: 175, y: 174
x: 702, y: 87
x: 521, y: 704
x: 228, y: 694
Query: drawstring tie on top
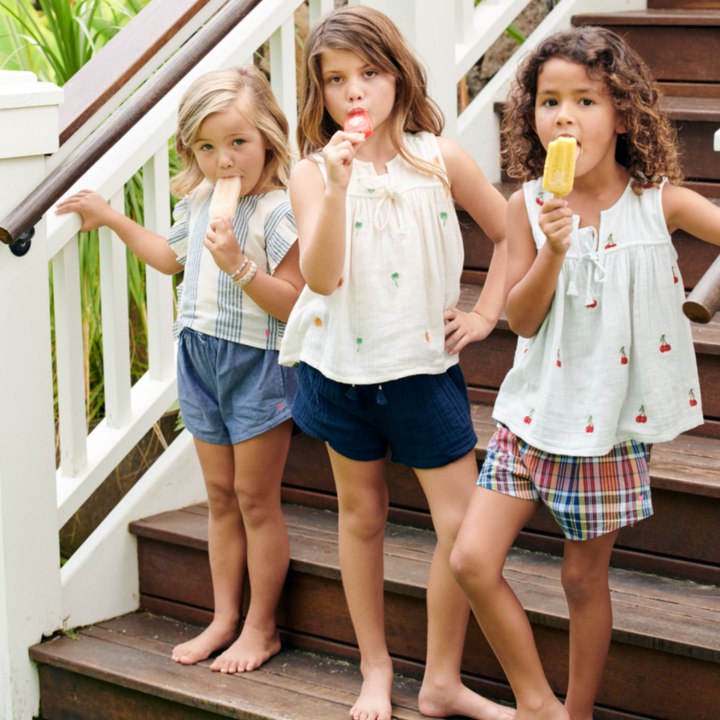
x: 389, y: 198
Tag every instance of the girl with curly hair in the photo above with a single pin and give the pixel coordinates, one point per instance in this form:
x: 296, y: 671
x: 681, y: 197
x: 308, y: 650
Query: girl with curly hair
x: 605, y: 364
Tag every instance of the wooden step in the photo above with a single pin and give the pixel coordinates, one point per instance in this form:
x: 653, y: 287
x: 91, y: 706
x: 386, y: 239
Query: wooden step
x: 682, y: 538
x: 680, y: 45
x: 683, y: 4
x: 665, y: 653
x: 121, y: 670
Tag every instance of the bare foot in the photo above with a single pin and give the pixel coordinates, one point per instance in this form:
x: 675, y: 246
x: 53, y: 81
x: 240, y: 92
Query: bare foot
x: 217, y: 635
x: 374, y: 701
x: 459, y: 700
x: 249, y: 651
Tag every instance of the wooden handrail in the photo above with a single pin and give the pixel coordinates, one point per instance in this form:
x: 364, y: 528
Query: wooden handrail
x: 97, y: 82
x: 29, y: 212
x: 704, y: 301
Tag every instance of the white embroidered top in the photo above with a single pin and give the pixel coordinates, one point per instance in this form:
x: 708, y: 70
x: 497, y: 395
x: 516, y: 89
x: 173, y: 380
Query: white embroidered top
x: 208, y: 300
x: 613, y: 359
x: 402, y: 270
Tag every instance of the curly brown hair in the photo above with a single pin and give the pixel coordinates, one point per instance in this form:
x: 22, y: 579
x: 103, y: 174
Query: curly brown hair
x: 648, y: 147
x: 375, y: 38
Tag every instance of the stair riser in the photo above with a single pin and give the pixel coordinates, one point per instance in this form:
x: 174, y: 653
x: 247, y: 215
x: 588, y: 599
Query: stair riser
x: 668, y: 541
x: 641, y: 680
x: 683, y: 4
x: 69, y: 696
x: 674, y: 53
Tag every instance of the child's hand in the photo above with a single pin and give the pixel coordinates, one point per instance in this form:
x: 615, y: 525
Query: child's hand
x: 556, y: 222
x: 339, y: 154
x: 462, y: 328
x: 220, y: 240
x: 94, y: 209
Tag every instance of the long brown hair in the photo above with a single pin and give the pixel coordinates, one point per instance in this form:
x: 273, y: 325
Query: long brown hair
x: 647, y: 148
x: 372, y: 36
x: 215, y: 92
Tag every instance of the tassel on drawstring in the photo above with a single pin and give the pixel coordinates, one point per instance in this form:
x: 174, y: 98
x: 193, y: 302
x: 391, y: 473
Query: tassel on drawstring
x: 351, y: 393
x: 380, y: 397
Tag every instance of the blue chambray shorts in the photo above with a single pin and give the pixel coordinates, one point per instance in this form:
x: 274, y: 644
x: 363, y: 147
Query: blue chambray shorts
x: 587, y: 496
x: 424, y: 419
x: 230, y: 392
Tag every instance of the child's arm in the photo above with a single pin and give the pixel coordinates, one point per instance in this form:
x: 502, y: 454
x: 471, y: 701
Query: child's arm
x: 276, y: 294
x: 486, y: 206
x: 686, y: 210
x: 532, y: 275
x: 319, y: 211
x: 150, y: 247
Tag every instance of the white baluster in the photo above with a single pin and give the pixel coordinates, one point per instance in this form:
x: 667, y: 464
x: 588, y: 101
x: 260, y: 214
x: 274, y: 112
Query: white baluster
x: 282, y: 72
x: 115, y: 321
x: 69, y: 358
x: 156, y: 195
x: 464, y: 26
x: 318, y: 8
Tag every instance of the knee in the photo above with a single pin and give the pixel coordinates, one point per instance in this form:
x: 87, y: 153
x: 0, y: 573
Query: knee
x: 221, y: 499
x: 582, y: 584
x: 366, y: 523
x: 474, y: 571
x: 256, y: 508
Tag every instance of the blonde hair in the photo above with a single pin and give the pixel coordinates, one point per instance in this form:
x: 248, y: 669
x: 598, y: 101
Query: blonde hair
x: 376, y: 39
x: 215, y: 92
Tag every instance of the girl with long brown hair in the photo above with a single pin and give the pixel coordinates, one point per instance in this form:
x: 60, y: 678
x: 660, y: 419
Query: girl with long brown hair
x: 377, y: 332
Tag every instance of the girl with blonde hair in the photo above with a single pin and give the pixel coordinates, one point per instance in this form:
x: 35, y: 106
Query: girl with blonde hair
x: 241, y: 279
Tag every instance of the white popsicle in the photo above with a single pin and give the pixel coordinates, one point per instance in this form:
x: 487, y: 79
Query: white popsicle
x: 225, y: 197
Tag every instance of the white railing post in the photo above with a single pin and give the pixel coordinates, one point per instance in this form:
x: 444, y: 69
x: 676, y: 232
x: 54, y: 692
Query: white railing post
x: 30, y: 604
x: 431, y: 33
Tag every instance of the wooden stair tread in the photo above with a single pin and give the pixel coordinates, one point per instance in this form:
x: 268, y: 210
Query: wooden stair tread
x: 134, y: 651
x: 692, y: 18
x: 675, y: 616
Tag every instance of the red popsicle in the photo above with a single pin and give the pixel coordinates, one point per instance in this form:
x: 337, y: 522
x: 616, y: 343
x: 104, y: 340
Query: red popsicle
x: 358, y: 121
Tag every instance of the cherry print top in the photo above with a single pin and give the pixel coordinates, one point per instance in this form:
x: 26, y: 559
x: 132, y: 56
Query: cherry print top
x: 613, y: 359
x: 404, y: 256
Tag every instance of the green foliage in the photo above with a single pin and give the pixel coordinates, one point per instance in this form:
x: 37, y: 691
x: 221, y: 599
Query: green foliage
x: 55, y: 38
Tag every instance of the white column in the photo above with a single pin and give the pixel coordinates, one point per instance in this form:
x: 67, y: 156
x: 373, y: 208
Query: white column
x: 431, y: 34
x: 29, y: 548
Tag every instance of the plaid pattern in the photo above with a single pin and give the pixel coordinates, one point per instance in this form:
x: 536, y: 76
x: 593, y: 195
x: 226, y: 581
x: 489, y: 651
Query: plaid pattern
x: 587, y: 496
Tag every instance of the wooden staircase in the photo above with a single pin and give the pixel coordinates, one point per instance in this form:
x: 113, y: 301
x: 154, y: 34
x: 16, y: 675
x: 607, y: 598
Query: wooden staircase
x: 664, y: 661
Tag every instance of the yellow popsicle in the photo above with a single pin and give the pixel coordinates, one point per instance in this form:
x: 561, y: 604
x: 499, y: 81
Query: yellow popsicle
x: 560, y: 166
x: 225, y: 197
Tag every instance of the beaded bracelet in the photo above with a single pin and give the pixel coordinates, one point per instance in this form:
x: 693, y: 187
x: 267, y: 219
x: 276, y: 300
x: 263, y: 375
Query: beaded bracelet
x: 239, y: 270
x: 247, y: 277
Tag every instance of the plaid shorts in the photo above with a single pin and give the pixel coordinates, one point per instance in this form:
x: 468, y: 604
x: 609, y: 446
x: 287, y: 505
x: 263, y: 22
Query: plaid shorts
x: 587, y: 496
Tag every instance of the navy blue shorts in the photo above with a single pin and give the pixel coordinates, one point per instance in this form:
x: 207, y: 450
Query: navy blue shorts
x: 230, y: 392
x: 424, y: 419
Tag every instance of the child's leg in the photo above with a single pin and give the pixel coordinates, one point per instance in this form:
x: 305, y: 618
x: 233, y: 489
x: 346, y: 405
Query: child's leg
x: 585, y: 580
x: 449, y: 490
x: 363, y: 504
x: 259, y: 465
x: 491, y: 524
x: 227, y: 551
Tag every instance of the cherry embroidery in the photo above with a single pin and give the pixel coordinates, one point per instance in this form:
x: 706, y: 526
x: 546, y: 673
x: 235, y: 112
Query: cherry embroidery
x: 623, y: 356
x: 610, y: 243
x: 664, y: 345
x: 675, y: 278
x: 592, y: 304
x: 642, y: 417
x: 539, y: 199
x: 528, y: 418
x: 589, y: 427
x: 693, y: 401
x: 559, y: 364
